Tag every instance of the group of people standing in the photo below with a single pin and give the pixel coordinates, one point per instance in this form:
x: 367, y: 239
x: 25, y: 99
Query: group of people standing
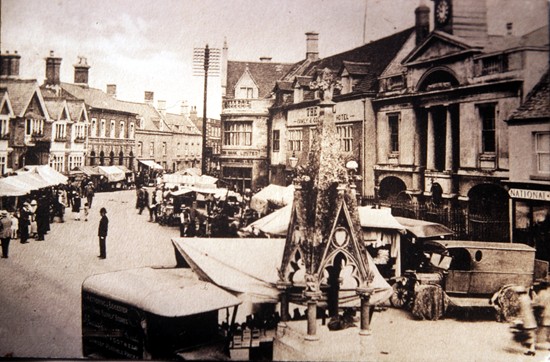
x: 32, y: 219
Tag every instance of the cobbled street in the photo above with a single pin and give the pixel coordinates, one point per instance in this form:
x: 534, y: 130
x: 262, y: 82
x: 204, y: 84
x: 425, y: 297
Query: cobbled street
x: 40, y: 294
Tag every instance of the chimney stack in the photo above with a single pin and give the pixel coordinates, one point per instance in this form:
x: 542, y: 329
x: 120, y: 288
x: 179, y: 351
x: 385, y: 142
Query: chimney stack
x: 9, y: 65
x: 265, y: 59
x: 161, y: 106
x: 422, y: 22
x: 53, y: 69
x: 81, y: 71
x: 149, y: 97
x: 312, y: 46
x: 111, y: 90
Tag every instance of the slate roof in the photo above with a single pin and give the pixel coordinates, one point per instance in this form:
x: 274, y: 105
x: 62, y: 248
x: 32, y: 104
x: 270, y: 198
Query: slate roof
x: 179, y: 119
x: 151, y: 117
x: 356, y: 68
x: 20, y: 92
x: 265, y: 74
x: 537, y: 102
x: 536, y: 38
x: 283, y: 85
x: 94, y: 98
x: 378, y: 53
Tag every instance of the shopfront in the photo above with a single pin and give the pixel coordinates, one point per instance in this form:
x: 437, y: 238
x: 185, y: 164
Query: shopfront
x: 529, y: 215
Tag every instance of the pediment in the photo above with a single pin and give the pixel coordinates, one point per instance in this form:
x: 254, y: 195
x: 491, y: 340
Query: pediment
x: 437, y: 46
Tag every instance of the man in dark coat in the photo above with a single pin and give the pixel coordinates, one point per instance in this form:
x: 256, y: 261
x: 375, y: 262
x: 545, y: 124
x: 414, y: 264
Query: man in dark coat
x: 102, y: 233
x: 24, y: 222
x: 42, y: 218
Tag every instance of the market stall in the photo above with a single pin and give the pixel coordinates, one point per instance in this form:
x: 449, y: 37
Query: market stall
x: 272, y: 197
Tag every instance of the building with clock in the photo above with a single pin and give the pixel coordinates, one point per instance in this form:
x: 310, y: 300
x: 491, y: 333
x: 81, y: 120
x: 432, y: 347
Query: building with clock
x: 441, y: 112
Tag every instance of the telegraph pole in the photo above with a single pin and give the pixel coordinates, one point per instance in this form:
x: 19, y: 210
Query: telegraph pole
x: 205, y: 97
x: 205, y: 60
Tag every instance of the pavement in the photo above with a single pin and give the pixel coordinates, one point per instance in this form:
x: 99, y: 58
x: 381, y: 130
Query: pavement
x: 41, y: 281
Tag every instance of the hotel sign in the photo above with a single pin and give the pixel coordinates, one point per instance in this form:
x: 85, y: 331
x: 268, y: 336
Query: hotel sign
x: 529, y: 194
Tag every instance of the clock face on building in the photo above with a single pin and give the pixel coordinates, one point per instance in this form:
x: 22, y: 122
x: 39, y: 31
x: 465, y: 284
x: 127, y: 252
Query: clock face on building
x: 442, y: 12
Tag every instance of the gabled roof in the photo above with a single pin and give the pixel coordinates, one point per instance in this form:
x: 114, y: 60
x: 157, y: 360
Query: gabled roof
x: 175, y: 120
x: 5, y: 104
x: 264, y: 74
x: 438, y: 45
x: 537, y: 102
x: 57, y: 109
x: 21, y: 93
x: 77, y: 110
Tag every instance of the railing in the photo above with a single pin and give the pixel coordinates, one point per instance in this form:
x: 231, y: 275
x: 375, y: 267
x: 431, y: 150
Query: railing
x: 466, y: 225
x: 246, y: 105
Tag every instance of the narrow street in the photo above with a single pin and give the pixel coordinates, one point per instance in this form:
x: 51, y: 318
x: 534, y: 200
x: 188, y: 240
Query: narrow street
x: 40, y: 294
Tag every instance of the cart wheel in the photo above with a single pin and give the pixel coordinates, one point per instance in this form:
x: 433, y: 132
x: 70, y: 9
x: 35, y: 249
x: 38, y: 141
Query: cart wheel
x: 400, y: 296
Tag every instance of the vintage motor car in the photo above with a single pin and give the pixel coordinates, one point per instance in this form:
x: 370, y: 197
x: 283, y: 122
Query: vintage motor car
x: 470, y: 272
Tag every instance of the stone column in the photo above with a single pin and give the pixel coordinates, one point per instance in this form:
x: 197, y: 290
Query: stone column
x: 283, y: 289
x: 430, y: 159
x: 364, y: 294
x: 312, y: 298
x: 448, y: 141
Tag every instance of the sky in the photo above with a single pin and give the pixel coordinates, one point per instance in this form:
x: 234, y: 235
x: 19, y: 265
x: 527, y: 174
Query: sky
x: 145, y: 45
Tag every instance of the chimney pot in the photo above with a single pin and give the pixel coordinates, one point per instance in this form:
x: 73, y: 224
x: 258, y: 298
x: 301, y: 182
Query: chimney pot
x: 265, y: 59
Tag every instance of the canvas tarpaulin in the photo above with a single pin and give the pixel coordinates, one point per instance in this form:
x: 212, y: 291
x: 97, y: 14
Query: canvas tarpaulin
x: 249, y: 266
x: 151, y: 164
x: 113, y: 173
x: 272, y: 194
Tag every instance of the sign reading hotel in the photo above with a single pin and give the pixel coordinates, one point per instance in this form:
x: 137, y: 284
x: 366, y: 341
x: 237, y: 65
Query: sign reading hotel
x: 346, y: 111
x: 529, y: 194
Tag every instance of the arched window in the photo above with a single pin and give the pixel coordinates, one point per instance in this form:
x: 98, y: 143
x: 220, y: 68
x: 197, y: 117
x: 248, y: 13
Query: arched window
x: 111, y: 158
x: 102, y: 158
x: 121, y: 158
x: 92, y: 158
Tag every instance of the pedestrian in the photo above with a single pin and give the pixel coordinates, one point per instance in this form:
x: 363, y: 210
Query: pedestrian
x: 86, y: 211
x: 542, y: 301
x: 76, y: 205
x: 5, y: 232
x: 33, y: 227
x: 89, y: 193
x: 24, y: 222
x: 42, y: 219
x: 529, y: 325
x: 153, y: 207
x: 14, y: 225
x: 102, y: 233
x: 61, y: 205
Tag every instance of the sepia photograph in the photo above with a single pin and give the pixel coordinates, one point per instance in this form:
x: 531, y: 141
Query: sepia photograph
x: 275, y: 180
